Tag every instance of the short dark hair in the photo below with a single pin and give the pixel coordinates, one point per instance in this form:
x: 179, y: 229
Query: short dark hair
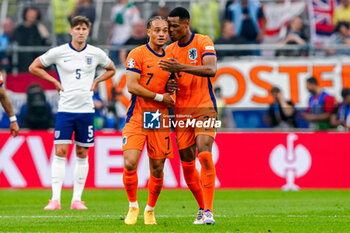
x: 312, y: 80
x: 180, y: 12
x: 79, y: 20
x: 341, y: 24
x: 275, y: 90
x: 345, y: 92
x: 38, y: 17
x: 149, y: 23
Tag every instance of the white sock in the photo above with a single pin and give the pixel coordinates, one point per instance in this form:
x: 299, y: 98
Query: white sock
x: 58, y: 171
x: 80, y: 173
x: 149, y: 208
x: 134, y: 204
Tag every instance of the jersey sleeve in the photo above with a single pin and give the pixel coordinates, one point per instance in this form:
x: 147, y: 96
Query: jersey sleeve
x: 49, y: 57
x: 103, y: 59
x: 207, y: 47
x: 134, y: 61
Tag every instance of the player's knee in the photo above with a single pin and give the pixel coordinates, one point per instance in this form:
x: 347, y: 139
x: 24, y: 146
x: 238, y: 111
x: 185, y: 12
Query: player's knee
x: 157, y: 172
x: 62, y: 152
x: 204, y: 143
x: 204, y: 146
x: 156, y: 168
x: 188, y: 154
x: 130, y: 165
x: 82, y: 153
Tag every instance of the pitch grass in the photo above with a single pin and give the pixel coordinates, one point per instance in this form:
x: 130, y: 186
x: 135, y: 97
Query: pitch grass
x: 235, y: 211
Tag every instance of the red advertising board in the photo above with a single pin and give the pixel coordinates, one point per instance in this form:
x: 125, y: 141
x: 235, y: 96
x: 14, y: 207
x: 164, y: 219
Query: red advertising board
x: 243, y: 160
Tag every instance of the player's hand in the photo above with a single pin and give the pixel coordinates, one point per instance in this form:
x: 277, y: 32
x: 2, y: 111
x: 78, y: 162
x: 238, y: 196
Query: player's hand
x: 94, y: 84
x: 58, y: 86
x: 14, y: 129
x: 171, y: 65
x: 171, y: 86
x: 168, y: 100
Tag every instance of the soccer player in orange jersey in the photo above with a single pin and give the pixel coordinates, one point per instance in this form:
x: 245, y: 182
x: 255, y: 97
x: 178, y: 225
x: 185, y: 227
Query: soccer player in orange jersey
x: 146, y: 82
x: 194, y: 62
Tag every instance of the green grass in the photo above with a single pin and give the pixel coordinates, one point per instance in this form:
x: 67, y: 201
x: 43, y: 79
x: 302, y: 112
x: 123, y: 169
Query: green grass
x: 235, y: 211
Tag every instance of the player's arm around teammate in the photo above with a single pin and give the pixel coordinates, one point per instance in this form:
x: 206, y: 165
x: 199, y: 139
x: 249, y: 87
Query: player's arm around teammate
x: 180, y: 31
x: 207, y: 69
x: 194, y: 61
x: 6, y: 104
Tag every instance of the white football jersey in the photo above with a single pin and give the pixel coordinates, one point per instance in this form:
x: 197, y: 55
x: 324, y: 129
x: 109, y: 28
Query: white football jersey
x: 76, y: 71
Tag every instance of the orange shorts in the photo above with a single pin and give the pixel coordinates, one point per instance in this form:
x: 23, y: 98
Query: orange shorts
x: 186, y: 137
x: 159, y: 145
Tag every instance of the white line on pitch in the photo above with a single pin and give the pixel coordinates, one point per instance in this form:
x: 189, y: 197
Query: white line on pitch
x: 179, y: 216
x: 100, y: 216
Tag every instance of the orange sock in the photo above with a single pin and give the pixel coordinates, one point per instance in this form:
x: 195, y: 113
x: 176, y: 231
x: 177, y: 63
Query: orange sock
x: 154, y: 187
x: 191, y: 176
x: 208, y: 178
x: 130, y: 184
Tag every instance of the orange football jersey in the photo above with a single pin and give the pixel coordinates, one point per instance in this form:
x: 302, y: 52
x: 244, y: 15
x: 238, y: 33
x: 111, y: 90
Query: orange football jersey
x: 144, y: 60
x: 195, y: 91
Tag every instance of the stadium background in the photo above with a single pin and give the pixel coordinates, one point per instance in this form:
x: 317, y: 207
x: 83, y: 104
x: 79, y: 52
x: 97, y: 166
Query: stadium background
x: 253, y: 160
x: 248, y: 153
x: 294, y: 156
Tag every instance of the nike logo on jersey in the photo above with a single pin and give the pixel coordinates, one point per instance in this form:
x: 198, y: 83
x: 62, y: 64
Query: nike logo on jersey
x: 167, y: 153
x: 66, y: 60
x: 149, y: 67
x: 90, y: 140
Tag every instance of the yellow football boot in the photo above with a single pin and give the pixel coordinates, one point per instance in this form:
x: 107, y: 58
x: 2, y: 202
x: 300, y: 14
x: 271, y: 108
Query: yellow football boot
x: 149, y: 217
x: 131, y: 217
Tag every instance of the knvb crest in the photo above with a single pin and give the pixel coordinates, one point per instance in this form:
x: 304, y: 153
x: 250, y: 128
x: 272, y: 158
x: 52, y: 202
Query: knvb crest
x: 151, y: 120
x: 88, y: 60
x: 192, y: 54
x: 125, y: 140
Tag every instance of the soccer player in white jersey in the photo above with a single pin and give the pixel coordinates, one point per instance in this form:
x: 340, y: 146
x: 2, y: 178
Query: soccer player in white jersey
x: 76, y: 63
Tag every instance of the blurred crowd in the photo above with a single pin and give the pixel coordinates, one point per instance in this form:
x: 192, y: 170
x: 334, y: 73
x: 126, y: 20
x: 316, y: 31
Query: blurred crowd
x: 323, y: 112
x: 240, y: 22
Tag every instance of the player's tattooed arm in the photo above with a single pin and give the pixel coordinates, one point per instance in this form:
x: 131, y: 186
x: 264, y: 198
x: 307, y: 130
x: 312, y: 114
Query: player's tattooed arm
x: 208, y: 69
x: 37, y: 68
x: 109, y: 73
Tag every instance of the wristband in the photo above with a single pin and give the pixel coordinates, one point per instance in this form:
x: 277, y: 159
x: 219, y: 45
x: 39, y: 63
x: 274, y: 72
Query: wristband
x: 159, y: 97
x: 13, y: 119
